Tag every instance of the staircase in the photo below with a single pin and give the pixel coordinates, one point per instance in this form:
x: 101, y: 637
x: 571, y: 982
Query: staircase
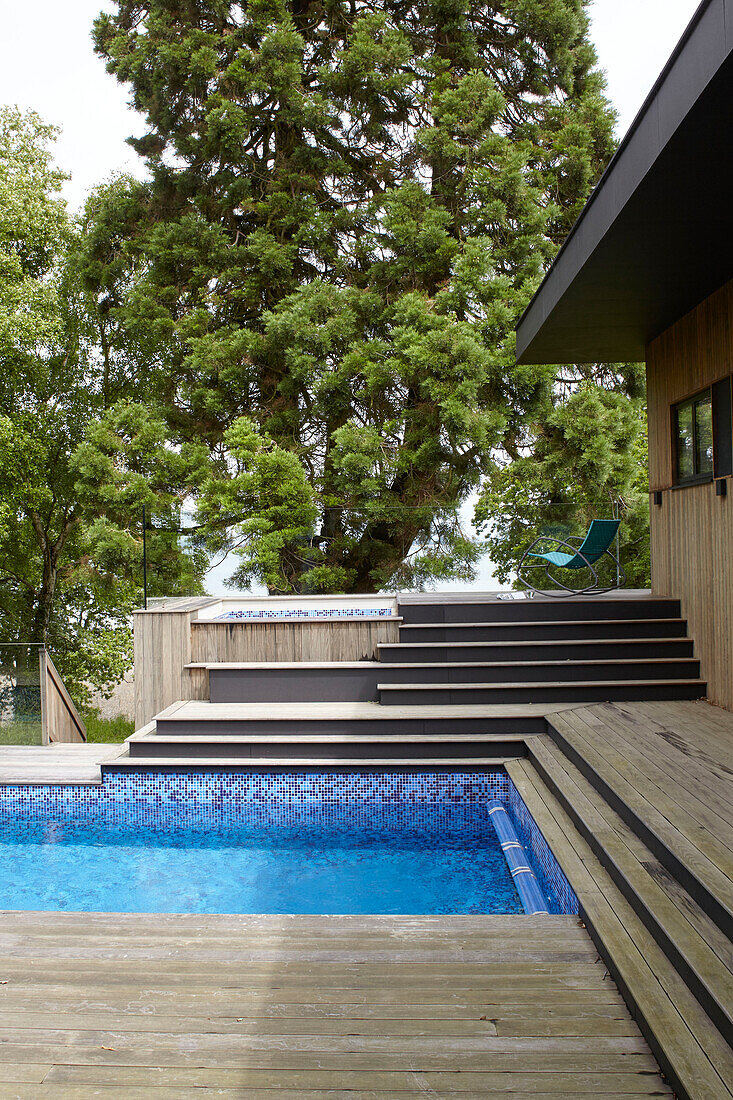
x: 641, y: 817
x: 470, y: 677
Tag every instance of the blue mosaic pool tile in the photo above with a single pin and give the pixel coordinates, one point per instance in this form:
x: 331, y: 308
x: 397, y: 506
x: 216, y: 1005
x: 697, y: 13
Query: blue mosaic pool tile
x: 204, y: 800
x: 547, y: 868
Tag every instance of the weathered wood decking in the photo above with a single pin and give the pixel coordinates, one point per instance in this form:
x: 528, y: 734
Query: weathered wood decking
x: 637, y: 803
x: 373, y: 1008
x: 75, y: 763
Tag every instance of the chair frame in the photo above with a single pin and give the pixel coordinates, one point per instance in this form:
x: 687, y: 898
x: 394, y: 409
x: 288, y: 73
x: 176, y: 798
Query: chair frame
x: 594, y: 587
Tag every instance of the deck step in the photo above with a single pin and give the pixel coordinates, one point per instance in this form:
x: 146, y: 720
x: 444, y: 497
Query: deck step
x: 330, y: 748
x: 270, y: 719
x: 698, y: 949
x: 532, y: 630
x: 691, y: 1050
x: 559, y: 649
x: 359, y: 680
x: 652, y: 805
x: 445, y: 608
x: 565, y: 691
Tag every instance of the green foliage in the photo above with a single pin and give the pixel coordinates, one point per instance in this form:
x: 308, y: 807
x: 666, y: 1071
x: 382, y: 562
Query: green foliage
x: 348, y: 209
x: 106, y: 730
x: 587, y: 453
x: 77, y: 454
x: 33, y: 228
x: 20, y: 733
x: 269, y: 486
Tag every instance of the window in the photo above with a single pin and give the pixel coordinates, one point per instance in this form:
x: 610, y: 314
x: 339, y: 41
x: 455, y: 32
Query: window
x: 693, y: 428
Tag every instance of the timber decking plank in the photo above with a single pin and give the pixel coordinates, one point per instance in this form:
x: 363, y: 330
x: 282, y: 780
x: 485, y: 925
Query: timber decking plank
x: 504, y: 1069
x: 676, y: 1023
x: 266, y: 763
x: 547, y: 997
x: 675, y: 827
x: 295, y: 926
x: 202, y: 711
x: 477, y: 1092
x: 229, y: 1009
x: 706, y: 961
x: 226, y: 1050
x: 702, y: 778
x: 528, y: 1023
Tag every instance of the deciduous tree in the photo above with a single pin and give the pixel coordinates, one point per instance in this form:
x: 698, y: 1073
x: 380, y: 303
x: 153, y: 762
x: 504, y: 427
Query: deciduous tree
x: 76, y: 451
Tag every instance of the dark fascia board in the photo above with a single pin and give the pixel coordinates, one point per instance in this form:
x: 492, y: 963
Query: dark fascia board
x: 604, y: 296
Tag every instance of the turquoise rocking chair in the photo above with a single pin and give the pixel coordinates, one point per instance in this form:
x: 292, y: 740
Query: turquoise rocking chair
x: 593, y: 547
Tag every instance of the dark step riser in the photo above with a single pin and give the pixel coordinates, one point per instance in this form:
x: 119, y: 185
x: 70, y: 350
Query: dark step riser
x: 332, y: 753
x: 570, y: 672
x: 515, y: 611
x: 559, y: 651
x: 334, y: 685
x: 541, y: 693
x: 520, y: 632
x: 678, y: 960
x: 152, y: 766
x: 676, y: 868
x: 423, y: 727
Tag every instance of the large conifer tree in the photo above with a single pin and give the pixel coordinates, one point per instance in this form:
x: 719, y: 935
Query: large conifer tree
x: 348, y: 206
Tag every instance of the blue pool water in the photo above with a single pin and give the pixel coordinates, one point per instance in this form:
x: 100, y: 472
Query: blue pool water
x: 421, y: 865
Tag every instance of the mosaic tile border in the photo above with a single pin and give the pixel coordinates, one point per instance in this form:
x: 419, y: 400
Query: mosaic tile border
x: 201, y: 801
x: 549, y: 872
x: 310, y: 613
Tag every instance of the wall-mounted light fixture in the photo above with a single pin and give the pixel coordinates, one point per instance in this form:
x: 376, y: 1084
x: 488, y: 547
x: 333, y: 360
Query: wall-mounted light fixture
x: 721, y: 487
x: 658, y: 498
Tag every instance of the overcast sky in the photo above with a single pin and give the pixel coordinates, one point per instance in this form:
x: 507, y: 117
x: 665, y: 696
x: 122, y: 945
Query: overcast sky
x: 47, y: 63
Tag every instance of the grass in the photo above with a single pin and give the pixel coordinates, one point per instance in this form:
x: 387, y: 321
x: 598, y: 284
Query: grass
x: 106, y: 730
x: 20, y: 733
x: 110, y: 731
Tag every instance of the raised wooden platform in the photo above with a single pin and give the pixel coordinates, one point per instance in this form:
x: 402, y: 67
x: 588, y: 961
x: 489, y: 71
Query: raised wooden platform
x: 312, y: 1008
x: 74, y: 763
x: 636, y: 801
x: 637, y: 804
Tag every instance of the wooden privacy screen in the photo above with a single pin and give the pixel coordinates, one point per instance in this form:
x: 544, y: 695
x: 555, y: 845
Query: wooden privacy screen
x: 60, y: 720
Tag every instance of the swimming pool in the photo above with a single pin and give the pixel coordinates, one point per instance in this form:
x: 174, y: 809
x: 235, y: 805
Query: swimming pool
x: 313, y: 843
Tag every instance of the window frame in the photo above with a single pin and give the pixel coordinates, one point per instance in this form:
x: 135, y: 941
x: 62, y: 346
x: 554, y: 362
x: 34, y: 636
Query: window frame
x: 696, y: 478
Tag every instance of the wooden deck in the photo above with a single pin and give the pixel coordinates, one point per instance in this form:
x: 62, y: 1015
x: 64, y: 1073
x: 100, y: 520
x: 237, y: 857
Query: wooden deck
x: 37, y: 765
x: 373, y: 1008
x: 636, y: 801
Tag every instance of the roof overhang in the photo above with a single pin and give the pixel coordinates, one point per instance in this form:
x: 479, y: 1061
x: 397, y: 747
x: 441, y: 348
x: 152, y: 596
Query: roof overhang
x: 656, y: 235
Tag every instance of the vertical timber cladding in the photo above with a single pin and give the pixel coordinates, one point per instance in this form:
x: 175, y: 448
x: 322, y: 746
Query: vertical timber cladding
x: 162, y: 639
x: 692, y: 531
x: 288, y: 640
